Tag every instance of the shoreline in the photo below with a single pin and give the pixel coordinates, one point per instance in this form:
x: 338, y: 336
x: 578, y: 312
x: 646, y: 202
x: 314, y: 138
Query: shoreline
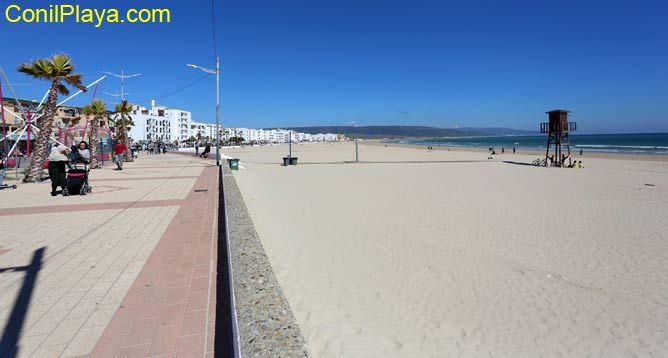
x: 540, y: 154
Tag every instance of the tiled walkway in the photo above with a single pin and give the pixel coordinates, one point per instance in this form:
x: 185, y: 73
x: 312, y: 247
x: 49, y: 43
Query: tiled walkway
x: 126, y: 271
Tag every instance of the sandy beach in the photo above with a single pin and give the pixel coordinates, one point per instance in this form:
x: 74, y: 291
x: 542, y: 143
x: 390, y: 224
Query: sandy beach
x: 414, y: 254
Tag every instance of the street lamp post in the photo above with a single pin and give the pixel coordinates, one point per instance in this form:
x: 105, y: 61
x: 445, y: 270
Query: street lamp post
x: 217, y: 72
x: 123, y: 76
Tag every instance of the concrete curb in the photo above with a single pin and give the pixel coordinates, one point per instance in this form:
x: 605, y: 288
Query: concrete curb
x: 267, y: 327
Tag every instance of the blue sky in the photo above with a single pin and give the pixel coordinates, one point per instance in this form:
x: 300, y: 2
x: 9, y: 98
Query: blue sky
x: 436, y: 63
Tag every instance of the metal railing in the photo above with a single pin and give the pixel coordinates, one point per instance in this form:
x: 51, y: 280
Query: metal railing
x: 558, y: 127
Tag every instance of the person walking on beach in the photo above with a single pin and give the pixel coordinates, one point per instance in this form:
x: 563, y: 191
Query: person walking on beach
x: 196, y: 149
x: 513, y: 150
x: 119, y: 151
x: 58, y: 157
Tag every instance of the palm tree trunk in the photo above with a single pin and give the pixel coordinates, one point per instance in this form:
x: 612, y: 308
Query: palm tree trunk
x: 93, y: 142
x: 41, y: 147
x: 126, y: 140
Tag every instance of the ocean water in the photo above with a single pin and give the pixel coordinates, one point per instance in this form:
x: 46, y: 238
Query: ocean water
x: 652, y: 143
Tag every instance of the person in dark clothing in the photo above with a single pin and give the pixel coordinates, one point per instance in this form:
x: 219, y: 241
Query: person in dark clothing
x: 206, y: 151
x: 2, y: 167
x: 58, y: 158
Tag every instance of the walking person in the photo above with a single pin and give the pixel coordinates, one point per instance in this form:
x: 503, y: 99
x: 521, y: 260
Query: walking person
x: 206, y: 151
x: 119, y: 152
x: 58, y: 158
x: 196, y: 149
x: 2, y: 167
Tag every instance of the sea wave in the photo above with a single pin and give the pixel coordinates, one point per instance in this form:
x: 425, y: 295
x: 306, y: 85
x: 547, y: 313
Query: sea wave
x: 619, y: 146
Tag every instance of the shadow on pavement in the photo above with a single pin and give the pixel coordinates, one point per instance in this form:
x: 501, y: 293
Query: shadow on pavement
x: 12, y: 330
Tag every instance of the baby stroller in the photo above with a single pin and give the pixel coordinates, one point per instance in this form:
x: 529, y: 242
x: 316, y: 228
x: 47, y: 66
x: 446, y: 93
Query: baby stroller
x: 77, y: 180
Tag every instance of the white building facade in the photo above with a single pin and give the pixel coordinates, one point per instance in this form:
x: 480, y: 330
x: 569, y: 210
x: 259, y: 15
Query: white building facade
x: 160, y: 123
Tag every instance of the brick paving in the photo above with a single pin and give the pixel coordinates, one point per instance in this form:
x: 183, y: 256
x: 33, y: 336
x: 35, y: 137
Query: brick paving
x: 127, y: 271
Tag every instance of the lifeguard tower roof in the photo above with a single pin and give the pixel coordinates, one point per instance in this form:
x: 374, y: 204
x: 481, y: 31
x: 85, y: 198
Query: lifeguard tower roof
x: 558, y: 111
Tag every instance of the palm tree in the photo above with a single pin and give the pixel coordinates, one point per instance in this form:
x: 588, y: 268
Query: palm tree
x: 58, y: 69
x: 97, y: 110
x: 122, y: 128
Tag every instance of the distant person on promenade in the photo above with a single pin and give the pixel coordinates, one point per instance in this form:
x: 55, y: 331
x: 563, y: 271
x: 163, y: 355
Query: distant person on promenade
x: 206, y: 151
x: 2, y: 167
x: 119, y: 152
x: 58, y: 157
x: 196, y: 149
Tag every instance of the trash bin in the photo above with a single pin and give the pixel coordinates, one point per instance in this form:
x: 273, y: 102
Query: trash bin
x: 293, y: 161
x: 286, y: 161
x: 234, y: 163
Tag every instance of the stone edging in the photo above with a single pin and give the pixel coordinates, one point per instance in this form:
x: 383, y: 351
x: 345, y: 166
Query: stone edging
x: 267, y: 327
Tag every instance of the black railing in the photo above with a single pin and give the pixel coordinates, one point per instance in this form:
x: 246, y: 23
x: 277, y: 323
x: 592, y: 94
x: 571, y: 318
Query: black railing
x: 558, y: 127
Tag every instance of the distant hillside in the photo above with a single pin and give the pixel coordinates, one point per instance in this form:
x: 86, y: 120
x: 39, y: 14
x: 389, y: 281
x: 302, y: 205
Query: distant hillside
x: 495, y: 131
x: 409, y: 131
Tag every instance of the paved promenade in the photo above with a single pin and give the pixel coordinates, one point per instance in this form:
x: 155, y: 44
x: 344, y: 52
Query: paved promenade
x: 127, y: 271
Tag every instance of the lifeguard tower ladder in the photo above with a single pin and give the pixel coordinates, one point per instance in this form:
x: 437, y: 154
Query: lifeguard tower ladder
x: 557, y: 130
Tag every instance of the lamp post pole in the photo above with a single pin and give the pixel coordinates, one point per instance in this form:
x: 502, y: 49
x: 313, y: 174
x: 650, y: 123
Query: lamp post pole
x: 123, y: 76
x: 217, y: 111
x: 217, y: 72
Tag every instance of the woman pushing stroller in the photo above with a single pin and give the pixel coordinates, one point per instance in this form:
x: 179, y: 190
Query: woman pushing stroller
x: 58, y: 159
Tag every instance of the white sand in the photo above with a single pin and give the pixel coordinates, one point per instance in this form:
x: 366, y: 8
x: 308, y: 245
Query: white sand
x: 481, y: 259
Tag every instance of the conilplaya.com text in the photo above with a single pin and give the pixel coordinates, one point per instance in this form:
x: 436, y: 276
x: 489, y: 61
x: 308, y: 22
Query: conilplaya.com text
x: 62, y: 13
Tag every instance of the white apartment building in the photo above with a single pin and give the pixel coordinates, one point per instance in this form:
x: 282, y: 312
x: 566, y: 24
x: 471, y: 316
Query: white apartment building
x: 160, y: 123
x: 275, y: 135
x: 167, y: 124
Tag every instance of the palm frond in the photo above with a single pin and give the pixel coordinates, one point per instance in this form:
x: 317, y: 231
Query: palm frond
x: 63, y: 90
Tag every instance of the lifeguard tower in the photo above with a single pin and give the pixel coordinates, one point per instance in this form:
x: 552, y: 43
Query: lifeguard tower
x: 557, y: 130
